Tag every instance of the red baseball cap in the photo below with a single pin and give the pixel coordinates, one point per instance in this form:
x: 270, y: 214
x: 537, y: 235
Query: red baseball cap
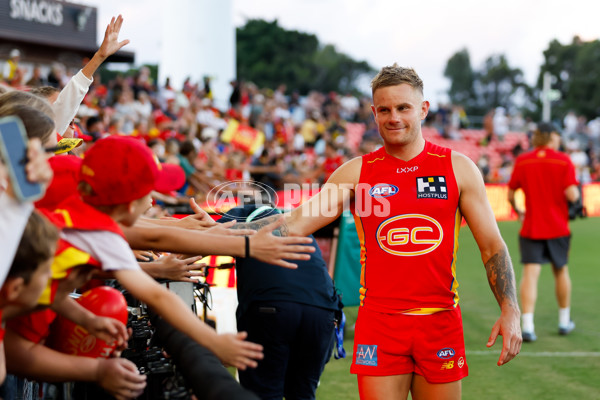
x: 160, y: 118
x: 64, y: 182
x: 122, y: 169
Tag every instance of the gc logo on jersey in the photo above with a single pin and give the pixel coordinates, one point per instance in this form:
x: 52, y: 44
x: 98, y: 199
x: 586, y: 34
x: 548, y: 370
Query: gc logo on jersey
x: 383, y: 190
x: 432, y: 187
x: 409, y: 235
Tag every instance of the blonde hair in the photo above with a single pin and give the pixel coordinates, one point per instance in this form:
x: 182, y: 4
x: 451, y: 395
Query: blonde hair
x: 35, y: 112
x: 29, y: 99
x: 44, y: 92
x: 396, y: 75
x: 37, y: 123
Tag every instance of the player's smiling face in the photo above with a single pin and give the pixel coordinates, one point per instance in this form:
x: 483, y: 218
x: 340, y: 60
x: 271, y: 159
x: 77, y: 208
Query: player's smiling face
x: 398, y: 112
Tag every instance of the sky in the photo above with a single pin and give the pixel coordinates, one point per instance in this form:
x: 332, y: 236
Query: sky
x: 418, y: 34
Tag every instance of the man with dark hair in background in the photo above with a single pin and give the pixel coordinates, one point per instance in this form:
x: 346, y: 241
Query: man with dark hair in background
x: 290, y: 313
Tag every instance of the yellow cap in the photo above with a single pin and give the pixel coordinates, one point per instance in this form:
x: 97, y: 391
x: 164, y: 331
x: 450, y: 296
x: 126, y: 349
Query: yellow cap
x: 67, y: 144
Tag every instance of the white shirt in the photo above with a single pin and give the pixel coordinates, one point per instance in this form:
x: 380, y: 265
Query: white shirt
x: 67, y: 103
x: 13, y: 219
x: 110, y: 249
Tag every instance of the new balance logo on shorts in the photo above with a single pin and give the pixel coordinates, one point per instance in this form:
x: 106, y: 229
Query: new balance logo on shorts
x: 432, y: 187
x: 447, y: 365
x: 366, y: 355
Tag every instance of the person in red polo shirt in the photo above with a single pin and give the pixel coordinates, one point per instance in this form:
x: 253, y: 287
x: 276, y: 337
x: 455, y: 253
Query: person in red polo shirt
x: 547, y: 177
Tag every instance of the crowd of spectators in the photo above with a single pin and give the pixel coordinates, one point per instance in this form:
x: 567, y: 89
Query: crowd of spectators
x: 183, y: 127
x: 294, y: 139
x: 92, y: 205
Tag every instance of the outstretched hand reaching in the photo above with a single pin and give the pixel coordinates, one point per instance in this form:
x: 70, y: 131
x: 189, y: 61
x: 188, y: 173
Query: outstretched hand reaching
x: 110, y: 45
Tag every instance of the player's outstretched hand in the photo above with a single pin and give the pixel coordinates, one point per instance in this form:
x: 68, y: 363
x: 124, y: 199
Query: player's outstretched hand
x: 233, y: 350
x: 120, y: 377
x: 276, y: 249
x: 509, y: 328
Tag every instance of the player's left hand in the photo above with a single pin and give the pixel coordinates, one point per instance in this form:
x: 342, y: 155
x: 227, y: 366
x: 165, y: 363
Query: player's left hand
x: 509, y: 328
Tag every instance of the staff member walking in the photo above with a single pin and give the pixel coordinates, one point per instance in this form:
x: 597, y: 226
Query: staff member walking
x: 547, y: 177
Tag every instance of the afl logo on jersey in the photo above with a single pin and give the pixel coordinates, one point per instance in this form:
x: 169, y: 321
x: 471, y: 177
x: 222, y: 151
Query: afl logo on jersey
x: 409, y: 235
x: 383, y: 190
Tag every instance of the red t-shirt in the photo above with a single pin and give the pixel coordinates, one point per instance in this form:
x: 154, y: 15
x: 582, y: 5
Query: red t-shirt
x: 544, y: 174
x: 34, y: 326
x: 408, y: 221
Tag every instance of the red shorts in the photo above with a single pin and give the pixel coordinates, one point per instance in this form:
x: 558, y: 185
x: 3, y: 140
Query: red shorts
x: 395, y: 344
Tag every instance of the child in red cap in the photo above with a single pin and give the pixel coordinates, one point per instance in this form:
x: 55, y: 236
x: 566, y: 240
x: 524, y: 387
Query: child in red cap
x: 117, y: 177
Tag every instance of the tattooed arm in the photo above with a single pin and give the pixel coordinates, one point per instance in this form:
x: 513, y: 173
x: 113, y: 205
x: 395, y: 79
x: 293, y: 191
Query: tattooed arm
x: 501, y: 278
x: 283, y: 229
x: 477, y: 211
x: 263, y: 245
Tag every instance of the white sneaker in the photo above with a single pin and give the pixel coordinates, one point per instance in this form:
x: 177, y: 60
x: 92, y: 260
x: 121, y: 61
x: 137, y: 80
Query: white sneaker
x: 529, y: 336
x: 565, y: 330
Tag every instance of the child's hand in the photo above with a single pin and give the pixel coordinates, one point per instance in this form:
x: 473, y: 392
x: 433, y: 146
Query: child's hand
x: 234, y: 351
x: 200, y: 220
x: 108, y: 329
x: 120, y: 348
x: 120, y: 378
x: 38, y: 169
x: 177, y: 268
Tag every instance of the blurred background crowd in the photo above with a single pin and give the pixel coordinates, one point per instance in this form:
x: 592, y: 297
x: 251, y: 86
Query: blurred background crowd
x: 285, y: 137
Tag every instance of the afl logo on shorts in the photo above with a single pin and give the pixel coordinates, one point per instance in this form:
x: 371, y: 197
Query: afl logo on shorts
x: 409, y: 235
x: 446, y: 353
x: 383, y: 190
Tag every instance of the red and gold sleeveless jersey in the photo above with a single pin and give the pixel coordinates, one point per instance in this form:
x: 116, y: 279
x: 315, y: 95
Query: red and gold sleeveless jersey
x: 407, y: 218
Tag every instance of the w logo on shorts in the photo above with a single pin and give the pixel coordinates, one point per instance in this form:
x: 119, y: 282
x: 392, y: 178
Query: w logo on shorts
x: 366, y: 355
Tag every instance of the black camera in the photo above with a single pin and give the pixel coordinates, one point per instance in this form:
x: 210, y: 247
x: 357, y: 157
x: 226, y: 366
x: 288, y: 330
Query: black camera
x: 577, y: 209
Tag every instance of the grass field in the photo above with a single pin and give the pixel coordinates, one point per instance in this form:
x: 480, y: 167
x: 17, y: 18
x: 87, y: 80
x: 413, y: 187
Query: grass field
x: 554, y: 367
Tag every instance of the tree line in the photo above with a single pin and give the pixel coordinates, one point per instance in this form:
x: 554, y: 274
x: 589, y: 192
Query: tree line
x: 574, y: 69
x: 270, y: 55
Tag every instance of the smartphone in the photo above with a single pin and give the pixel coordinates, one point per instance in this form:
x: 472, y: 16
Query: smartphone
x: 13, y: 151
